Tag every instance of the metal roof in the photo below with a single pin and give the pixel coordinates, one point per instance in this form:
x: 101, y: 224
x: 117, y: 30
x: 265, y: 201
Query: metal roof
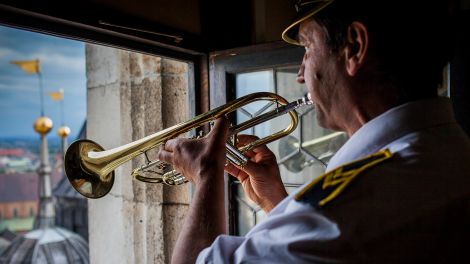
x: 17, y: 187
x: 47, y: 245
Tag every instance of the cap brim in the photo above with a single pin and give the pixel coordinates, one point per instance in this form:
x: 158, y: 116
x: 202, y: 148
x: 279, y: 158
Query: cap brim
x: 289, y: 35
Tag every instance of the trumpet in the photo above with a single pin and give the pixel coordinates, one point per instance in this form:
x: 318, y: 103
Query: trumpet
x: 90, y: 168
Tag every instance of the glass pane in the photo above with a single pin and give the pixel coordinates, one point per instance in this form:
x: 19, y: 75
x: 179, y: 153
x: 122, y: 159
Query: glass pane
x: 248, y: 213
x: 248, y: 83
x: 287, y: 85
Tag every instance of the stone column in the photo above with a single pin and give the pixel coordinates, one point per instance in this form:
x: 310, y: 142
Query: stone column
x: 130, y: 96
x: 175, y: 94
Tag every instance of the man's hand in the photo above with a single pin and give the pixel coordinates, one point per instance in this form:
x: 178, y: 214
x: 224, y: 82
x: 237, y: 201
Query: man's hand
x: 202, y: 162
x: 260, y: 177
x: 198, y: 159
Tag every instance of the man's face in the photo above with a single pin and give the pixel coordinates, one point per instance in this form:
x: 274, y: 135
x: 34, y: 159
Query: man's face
x: 321, y: 72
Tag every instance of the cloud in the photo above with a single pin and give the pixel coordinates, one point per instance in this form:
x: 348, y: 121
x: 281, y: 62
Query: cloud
x: 7, y: 52
x: 64, y: 62
x: 49, y: 59
x: 13, y: 85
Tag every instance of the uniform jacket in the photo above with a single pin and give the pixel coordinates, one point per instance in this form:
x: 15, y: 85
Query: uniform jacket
x: 411, y: 208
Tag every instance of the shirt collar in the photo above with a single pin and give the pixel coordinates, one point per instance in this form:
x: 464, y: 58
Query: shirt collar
x: 391, y: 125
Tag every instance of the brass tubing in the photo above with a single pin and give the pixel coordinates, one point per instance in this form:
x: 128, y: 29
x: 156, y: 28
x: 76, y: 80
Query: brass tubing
x: 89, y: 167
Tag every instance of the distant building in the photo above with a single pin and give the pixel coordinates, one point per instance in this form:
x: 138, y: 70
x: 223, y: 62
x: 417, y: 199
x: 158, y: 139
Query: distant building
x: 19, y: 194
x: 3, y: 244
x: 16, y: 152
x: 47, y: 243
x: 18, y: 201
x: 19, y: 165
x: 6, y: 237
x: 19, y: 197
x: 71, y: 207
x: 16, y: 160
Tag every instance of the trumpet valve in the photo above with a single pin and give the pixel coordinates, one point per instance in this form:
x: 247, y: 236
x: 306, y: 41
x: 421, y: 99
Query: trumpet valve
x: 174, y: 178
x: 234, y: 155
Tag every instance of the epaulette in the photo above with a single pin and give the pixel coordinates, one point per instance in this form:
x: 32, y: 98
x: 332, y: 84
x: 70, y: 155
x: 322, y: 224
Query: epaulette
x: 328, y: 186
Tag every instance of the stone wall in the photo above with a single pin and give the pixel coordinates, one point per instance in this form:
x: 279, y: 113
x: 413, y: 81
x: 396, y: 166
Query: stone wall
x: 130, y: 96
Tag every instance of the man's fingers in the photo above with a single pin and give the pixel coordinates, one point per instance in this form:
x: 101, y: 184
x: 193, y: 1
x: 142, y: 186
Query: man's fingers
x: 165, y: 156
x: 256, y: 171
x: 177, y: 145
x: 231, y: 169
x: 235, y: 172
x: 243, y: 139
x: 172, y: 144
x: 220, y: 130
x: 246, y: 139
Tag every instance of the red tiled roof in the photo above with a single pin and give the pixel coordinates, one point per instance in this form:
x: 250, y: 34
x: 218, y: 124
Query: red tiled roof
x: 12, y: 152
x: 18, y: 187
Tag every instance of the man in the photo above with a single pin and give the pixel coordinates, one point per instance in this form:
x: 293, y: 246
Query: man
x: 397, y: 192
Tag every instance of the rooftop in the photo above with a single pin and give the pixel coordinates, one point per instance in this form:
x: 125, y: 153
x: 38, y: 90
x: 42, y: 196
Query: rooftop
x: 47, y: 245
x: 17, y: 152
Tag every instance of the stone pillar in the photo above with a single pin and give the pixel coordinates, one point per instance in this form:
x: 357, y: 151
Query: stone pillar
x: 130, y: 96
x: 175, y: 94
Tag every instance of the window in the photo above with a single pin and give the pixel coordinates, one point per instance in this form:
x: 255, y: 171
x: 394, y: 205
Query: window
x: 38, y: 74
x: 303, y: 154
x: 128, y: 95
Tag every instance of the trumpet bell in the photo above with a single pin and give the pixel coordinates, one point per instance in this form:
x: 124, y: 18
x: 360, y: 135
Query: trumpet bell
x: 86, y: 183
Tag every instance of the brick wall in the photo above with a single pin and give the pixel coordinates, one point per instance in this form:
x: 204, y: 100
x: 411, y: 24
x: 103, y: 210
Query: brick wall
x: 23, y: 209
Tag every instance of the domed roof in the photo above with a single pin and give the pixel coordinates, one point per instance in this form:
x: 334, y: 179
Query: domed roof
x: 3, y: 244
x: 47, y: 245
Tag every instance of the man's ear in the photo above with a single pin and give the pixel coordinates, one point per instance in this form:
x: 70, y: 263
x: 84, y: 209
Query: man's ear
x: 356, y: 47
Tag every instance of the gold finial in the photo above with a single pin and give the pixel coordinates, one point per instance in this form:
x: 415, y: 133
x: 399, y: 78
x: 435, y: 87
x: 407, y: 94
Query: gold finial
x: 43, y: 125
x: 63, y: 131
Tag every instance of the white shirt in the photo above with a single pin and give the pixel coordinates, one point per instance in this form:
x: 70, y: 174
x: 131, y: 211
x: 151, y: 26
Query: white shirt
x: 413, y: 208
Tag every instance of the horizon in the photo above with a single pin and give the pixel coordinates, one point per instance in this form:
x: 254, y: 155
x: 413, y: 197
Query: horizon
x: 34, y: 137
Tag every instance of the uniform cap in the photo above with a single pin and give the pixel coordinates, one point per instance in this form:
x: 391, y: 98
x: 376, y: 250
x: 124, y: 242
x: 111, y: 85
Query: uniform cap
x: 305, y: 9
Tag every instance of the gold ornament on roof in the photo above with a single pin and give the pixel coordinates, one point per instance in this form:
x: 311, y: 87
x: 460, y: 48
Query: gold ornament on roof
x: 43, y: 125
x: 63, y: 131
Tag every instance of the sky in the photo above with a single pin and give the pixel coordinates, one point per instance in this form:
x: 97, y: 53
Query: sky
x: 62, y: 66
